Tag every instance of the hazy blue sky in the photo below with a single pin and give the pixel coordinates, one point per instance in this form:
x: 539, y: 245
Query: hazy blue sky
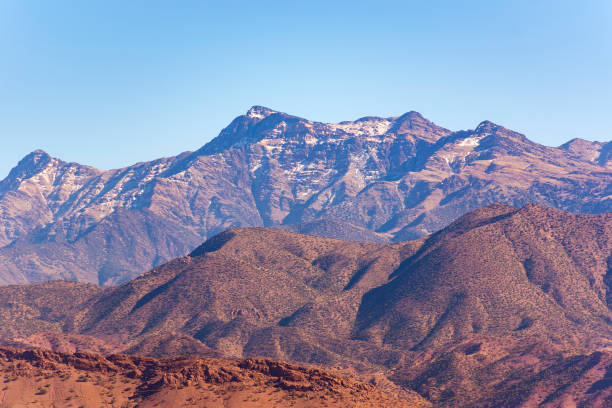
x: 110, y: 83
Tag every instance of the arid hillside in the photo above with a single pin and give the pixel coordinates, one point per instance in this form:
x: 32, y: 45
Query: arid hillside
x: 499, y: 271
x: 503, y: 303
x: 379, y: 179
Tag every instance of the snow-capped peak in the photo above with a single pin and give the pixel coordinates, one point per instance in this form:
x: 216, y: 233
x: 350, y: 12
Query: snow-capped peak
x: 259, y: 112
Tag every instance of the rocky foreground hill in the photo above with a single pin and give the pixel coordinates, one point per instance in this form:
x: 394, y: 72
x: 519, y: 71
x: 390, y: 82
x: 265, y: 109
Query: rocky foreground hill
x: 48, y: 379
x: 505, y: 307
x: 376, y: 179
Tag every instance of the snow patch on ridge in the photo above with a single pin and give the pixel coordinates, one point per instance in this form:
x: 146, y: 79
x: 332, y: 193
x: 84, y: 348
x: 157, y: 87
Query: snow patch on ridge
x: 472, y: 141
x: 373, y: 127
x: 255, y: 115
x: 259, y: 112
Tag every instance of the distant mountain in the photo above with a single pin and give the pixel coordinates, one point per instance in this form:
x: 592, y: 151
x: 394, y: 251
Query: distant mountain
x: 374, y: 178
x: 331, y: 228
x: 504, y: 307
x: 597, y: 152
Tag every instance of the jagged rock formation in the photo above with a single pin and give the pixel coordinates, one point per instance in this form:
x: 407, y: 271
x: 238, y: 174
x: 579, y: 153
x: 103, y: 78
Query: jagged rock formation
x: 50, y: 379
x: 374, y: 178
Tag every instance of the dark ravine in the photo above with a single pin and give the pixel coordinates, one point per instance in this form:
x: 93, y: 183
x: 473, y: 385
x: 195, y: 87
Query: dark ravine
x: 504, y: 304
x: 380, y: 179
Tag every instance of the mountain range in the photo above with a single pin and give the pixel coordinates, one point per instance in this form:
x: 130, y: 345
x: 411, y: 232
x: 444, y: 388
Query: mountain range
x: 504, y: 307
x: 373, y: 179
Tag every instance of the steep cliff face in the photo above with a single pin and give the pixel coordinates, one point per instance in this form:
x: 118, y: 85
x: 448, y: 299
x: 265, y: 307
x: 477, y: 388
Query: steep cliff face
x: 374, y: 178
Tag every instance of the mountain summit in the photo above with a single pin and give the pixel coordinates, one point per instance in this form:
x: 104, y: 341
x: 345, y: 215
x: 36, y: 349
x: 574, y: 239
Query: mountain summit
x: 259, y: 112
x: 378, y: 178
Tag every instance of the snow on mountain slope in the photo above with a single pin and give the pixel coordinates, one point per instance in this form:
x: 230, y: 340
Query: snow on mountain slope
x: 401, y: 177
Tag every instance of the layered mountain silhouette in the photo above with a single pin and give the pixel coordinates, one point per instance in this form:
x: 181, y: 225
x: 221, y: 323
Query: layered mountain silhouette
x: 380, y: 179
x: 504, y: 307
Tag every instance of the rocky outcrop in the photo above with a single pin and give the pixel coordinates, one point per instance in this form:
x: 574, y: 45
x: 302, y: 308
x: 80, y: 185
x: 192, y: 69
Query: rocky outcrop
x: 48, y: 379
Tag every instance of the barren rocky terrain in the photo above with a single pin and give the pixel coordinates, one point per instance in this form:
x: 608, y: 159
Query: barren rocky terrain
x: 375, y: 179
x: 48, y: 379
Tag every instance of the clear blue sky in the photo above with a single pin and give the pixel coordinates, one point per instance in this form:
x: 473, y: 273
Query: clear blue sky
x: 109, y: 83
